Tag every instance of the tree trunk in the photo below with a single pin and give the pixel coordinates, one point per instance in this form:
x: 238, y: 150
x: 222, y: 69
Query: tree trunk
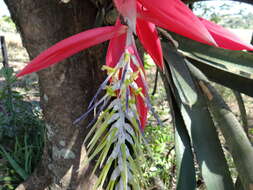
x: 65, y: 88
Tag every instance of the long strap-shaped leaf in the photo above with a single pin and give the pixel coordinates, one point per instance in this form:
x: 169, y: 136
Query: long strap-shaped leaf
x: 200, y: 126
x: 20, y: 171
x: 236, y: 139
x: 186, y: 176
x: 224, y: 77
x: 223, y: 58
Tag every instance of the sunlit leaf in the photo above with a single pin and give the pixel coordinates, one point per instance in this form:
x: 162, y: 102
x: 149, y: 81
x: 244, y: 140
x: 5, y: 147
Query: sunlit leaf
x: 224, y: 38
x: 175, y: 16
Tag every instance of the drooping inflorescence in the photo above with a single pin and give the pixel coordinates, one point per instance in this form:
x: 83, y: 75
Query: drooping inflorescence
x: 120, y: 115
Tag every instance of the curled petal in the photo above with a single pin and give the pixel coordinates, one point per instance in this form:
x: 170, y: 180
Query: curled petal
x: 72, y: 45
x: 175, y: 16
x: 224, y: 38
x: 149, y: 38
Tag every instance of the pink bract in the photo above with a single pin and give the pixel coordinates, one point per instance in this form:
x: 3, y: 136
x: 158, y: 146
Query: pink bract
x: 72, y: 45
x: 149, y: 38
x: 175, y: 16
x: 224, y: 38
x: 140, y: 101
x: 116, y: 48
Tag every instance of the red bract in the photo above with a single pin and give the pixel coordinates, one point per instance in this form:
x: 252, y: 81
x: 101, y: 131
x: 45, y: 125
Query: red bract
x: 72, y: 45
x: 149, y: 38
x: 146, y: 32
x: 142, y: 110
x: 224, y: 38
x: 140, y: 101
x: 116, y: 48
x: 114, y: 52
x: 175, y: 16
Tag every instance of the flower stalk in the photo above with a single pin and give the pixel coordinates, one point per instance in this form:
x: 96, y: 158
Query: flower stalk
x: 118, y: 127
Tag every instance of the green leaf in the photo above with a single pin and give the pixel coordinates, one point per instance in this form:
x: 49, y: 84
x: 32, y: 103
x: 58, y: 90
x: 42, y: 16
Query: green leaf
x: 124, y: 166
x: 186, y: 176
x: 182, y: 80
x: 223, y: 58
x: 98, y: 149
x: 109, y: 142
x: 100, y: 130
x: 224, y: 77
x: 236, y: 139
x: 97, y: 124
x: 104, y: 173
x: 200, y: 126
x: 20, y: 171
x: 111, y: 184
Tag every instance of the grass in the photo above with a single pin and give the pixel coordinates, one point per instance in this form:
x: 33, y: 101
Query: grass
x: 21, y: 134
x: 159, y: 168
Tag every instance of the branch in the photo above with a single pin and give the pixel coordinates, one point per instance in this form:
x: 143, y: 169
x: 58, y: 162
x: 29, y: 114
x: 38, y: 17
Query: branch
x: 7, y: 75
x: 156, y: 81
x: 4, y: 52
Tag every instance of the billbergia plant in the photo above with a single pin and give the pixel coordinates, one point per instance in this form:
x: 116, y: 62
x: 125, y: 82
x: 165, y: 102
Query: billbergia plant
x: 121, y: 104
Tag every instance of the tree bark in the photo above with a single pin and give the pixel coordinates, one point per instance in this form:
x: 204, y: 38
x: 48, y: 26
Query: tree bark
x: 65, y: 88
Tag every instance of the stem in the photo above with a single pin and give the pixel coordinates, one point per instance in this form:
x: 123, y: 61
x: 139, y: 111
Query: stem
x: 4, y: 52
x: 156, y: 80
x: 242, y: 109
x: 7, y: 77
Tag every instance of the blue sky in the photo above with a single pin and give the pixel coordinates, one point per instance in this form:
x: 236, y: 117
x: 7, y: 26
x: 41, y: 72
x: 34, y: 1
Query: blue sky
x: 3, y: 9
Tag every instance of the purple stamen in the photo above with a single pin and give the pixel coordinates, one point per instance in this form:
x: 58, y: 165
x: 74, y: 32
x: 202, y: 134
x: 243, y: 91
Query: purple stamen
x: 127, y: 99
x: 89, y: 110
x: 101, y: 87
x: 153, y: 110
x: 123, y: 75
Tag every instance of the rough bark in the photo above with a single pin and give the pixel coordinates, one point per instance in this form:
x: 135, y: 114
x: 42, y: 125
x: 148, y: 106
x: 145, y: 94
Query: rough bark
x: 65, y: 88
